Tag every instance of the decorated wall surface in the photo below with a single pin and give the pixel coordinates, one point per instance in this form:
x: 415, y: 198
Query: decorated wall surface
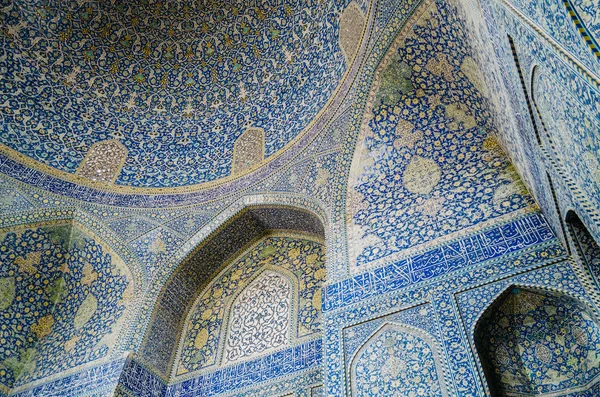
x: 534, y: 342
x: 339, y: 198
x: 395, y: 358
x: 427, y: 163
x: 586, y: 247
x: 27, y: 300
x: 258, y: 320
x: 160, y: 78
x: 477, y: 263
x: 548, y: 51
x: 63, y: 294
x: 267, y: 299
x: 568, y: 126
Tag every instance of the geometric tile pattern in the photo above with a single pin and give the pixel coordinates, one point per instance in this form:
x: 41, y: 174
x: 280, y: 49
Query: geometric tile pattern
x: 190, y: 223
x: 130, y: 228
x: 11, y: 200
x: 155, y: 246
x: 432, y: 258
x: 292, y: 177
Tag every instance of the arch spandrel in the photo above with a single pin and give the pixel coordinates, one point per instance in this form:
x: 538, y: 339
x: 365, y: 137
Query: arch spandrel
x: 78, y: 322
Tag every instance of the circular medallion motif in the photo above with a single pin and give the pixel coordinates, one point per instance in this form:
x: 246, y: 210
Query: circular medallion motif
x: 421, y: 175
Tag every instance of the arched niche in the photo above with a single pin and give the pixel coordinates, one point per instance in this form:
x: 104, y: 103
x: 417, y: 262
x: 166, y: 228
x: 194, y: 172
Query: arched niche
x: 266, y: 299
x: 203, y: 265
x: 519, y: 70
x: 541, y: 138
x: 398, y: 360
x: 537, y: 342
x: 570, y: 133
x: 586, y: 246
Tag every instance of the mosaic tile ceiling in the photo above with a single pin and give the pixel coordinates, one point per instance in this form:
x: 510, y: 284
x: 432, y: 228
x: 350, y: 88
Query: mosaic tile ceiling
x: 176, y: 83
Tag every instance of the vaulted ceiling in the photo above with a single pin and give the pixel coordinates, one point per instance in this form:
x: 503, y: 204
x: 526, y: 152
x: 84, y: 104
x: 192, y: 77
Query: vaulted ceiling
x: 174, y: 84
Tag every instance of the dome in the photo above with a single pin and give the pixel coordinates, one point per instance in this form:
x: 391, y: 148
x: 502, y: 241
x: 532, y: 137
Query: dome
x: 180, y: 90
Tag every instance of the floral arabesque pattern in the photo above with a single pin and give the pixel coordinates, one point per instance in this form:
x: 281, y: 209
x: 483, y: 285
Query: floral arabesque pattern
x: 60, y: 283
x: 533, y: 342
x: 393, y: 363
x: 428, y: 164
x: 572, y: 129
x: 205, y: 327
x: 260, y: 317
x: 176, y: 83
x: 31, y: 264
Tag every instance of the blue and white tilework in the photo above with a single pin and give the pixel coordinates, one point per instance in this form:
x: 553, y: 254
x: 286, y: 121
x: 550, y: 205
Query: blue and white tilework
x: 54, y: 298
x: 405, y: 161
x: 536, y: 341
x: 451, y: 257
x: 150, y: 76
x: 287, y: 370
x: 94, y: 381
x: 427, y: 162
x: 464, y: 378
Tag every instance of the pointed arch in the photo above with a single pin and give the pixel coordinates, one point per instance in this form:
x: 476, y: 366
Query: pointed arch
x: 526, y: 337
x: 401, y: 359
x: 293, y: 297
x: 232, y: 232
x: 260, y: 316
